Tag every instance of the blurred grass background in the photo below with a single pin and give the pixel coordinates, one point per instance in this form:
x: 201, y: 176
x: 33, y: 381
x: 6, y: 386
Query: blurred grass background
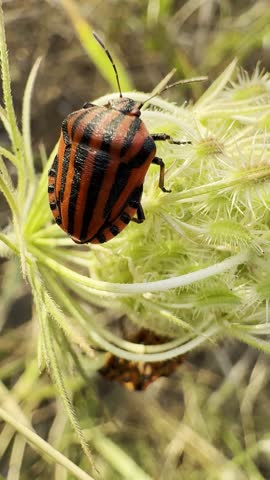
x: 210, y: 419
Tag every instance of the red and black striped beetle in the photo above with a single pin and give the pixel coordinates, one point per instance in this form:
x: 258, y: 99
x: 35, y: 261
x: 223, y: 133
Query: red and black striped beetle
x: 96, y: 180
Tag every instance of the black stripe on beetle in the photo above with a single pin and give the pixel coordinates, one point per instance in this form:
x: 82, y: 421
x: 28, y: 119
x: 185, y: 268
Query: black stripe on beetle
x: 65, y: 165
x: 101, y: 160
x: 80, y: 157
x: 121, y: 179
x: 133, y: 129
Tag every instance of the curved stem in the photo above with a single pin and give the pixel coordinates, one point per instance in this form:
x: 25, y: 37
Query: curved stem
x: 96, y: 286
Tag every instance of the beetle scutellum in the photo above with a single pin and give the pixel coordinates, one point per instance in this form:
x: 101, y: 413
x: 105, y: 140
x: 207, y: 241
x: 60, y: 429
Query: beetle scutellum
x: 96, y: 180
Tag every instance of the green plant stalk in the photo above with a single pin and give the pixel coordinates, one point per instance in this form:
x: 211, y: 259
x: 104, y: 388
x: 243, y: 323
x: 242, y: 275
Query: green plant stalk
x: 51, y: 361
x: 96, y: 286
x: 4, y: 120
x: 120, y: 461
x: 35, y: 216
x: 16, y: 458
x: 6, y: 153
x: 7, y: 190
x: 45, y: 448
x: 16, y: 138
x: 26, y: 117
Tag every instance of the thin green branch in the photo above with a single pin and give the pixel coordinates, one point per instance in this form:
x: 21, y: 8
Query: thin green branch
x: 45, y: 448
x: 124, y: 349
x: 251, y: 340
x: 63, y: 323
x: 16, y: 137
x: 9, y: 155
x: 11, y: 246
x: 7, y: 189
x: 39, y: 211
x: 51, y: 357
x: 16, y: 458
x: 96, y: 286
x: 217, y: 86
x: 4, y: 120
x: 57, y: 376
x: 26, y: 129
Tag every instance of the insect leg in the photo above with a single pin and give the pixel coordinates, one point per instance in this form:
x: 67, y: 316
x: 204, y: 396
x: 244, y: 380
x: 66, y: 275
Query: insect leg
x: 163, y: 136
x: 140, y: 215
x: 158, y: 161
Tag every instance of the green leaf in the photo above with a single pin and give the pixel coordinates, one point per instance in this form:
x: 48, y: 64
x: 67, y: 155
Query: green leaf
x: 26, y: 118
x: 217, y: 86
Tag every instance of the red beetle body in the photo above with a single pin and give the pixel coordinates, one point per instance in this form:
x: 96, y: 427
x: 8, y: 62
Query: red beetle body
x: 96, y: 180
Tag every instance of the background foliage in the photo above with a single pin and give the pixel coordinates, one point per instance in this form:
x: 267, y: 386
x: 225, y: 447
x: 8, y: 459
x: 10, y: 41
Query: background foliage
x: 210, y: 419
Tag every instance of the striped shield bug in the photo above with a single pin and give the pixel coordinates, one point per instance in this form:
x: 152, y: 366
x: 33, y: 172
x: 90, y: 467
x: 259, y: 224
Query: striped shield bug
x: 96, y: 180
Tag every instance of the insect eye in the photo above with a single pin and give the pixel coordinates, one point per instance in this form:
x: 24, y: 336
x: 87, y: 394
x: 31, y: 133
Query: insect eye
x: 108, y: 105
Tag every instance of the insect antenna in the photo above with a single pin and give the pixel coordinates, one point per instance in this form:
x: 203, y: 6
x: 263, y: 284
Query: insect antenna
x: 110, y: 58
x: 179, y: 82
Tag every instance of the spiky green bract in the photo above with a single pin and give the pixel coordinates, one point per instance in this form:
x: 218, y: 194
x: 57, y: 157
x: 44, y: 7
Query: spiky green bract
x: 218, y: 209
